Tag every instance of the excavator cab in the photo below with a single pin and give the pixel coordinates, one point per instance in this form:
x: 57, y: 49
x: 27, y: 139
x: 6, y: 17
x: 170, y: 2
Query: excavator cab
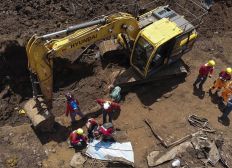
x: 161, y: 43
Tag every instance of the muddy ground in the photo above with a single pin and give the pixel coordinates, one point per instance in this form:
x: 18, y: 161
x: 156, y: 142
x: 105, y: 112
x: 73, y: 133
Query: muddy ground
x: 166, y: 106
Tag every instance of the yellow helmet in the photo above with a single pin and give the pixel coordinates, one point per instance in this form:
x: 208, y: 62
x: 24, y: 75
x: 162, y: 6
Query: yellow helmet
x: 228, y: 70
x: 211, y: 63
x: 80, y: 131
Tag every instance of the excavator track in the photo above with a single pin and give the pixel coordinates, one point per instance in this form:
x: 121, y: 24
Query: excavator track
x: 128, y: 78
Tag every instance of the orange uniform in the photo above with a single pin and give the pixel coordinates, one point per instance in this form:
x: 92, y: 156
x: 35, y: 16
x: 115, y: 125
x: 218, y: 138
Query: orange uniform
x: 221, y: 81
x: 227, y: 91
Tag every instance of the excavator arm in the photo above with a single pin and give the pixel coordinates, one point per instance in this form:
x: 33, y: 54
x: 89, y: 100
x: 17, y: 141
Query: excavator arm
x: 42, y: 49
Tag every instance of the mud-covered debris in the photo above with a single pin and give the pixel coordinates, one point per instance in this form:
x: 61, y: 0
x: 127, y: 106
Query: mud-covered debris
x: 171, y: 154
x: 77, y: 160
x: 151, y: 156
x: 214, y: 155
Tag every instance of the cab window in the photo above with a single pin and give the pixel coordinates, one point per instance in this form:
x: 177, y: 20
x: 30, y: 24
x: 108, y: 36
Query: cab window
x: 142, y: 52
x: 162, y: 53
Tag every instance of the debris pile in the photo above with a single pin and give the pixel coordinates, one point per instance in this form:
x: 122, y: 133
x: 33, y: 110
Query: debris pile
x: 204, y: 145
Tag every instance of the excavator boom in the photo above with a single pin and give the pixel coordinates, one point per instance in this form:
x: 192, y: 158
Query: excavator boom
x: 41, y: 50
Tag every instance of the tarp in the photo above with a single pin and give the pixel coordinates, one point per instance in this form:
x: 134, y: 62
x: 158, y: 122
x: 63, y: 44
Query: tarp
x: 110, y: 150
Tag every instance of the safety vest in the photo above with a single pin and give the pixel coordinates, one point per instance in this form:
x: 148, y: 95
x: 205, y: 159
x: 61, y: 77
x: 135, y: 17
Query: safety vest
x: 74, y: 105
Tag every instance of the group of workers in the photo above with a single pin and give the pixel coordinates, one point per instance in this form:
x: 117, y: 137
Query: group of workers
x: 223, y: 83
x: 105, y: 131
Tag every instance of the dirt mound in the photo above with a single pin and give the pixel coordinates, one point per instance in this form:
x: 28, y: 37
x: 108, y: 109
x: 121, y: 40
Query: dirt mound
x: 14, y: 82
x: 22, y: 18
x: 19, y: 21
x: 219, y: 19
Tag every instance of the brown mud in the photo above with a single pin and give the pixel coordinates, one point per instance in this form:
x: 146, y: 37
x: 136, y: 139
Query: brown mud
x: 88, y: 79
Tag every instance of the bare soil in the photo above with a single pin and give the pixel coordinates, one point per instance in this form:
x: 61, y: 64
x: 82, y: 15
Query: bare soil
x: 167, y: 106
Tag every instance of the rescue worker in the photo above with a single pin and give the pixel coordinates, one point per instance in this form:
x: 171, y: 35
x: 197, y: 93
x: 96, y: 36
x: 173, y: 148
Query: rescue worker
x: 77, y: 138
x: 227, y: 91
x: 106, y: 131
x: 72, y: 107
x: 93, y: 129
x: 227, y: 110
x: 224, y: 77
x: 108, y: 107
x: 116, y: 94
x: 204, y: 71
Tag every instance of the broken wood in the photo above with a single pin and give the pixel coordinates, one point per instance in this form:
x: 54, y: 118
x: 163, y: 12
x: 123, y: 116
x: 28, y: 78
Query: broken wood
x: 166, y: 145
x: 156, y: 135
x: 207, y: 130
x: 180, y: 141
x: 4, y: 92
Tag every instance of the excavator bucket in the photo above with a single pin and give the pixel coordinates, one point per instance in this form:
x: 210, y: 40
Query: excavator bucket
x: 37, y: 109
x: 41, y: 118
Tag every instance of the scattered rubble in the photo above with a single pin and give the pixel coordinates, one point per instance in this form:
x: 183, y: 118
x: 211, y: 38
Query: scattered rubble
x: 206, y: 144
x: 77, y: 160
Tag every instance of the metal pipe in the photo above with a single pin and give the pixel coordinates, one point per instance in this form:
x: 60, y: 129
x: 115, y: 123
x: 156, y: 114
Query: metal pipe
x: 74, y: 28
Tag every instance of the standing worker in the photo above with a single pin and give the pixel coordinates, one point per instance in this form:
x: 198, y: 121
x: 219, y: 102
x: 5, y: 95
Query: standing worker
x: 108, y: 107
x: 72, y: 107
x: 227, y: 110
x: 224, y: 77
x: 204, y: 71
x: 77, y: 138
x: 227, y: 91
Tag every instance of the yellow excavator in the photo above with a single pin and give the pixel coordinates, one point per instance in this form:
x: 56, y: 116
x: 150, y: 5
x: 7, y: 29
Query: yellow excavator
x: 155, y: 39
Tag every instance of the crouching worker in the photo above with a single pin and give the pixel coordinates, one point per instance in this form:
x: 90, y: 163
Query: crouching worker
x: 93, y: 129
x: 77, y: 138
x: 72, y: 107
x: 106, y: 131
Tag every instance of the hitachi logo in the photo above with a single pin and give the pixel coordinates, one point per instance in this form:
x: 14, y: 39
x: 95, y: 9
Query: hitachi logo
x: 76, y: 44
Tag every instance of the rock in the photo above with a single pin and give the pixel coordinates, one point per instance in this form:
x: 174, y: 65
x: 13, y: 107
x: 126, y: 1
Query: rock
x: 28, y: 10
x: 46, y: 152
x: 6, y: 139
x: 171, y: 154
x: 176, y: 163
x: 12, y: 162
x: 152, y: 156
x: 53, y: 150
x: 77, y: 160
x: 39, y: 164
